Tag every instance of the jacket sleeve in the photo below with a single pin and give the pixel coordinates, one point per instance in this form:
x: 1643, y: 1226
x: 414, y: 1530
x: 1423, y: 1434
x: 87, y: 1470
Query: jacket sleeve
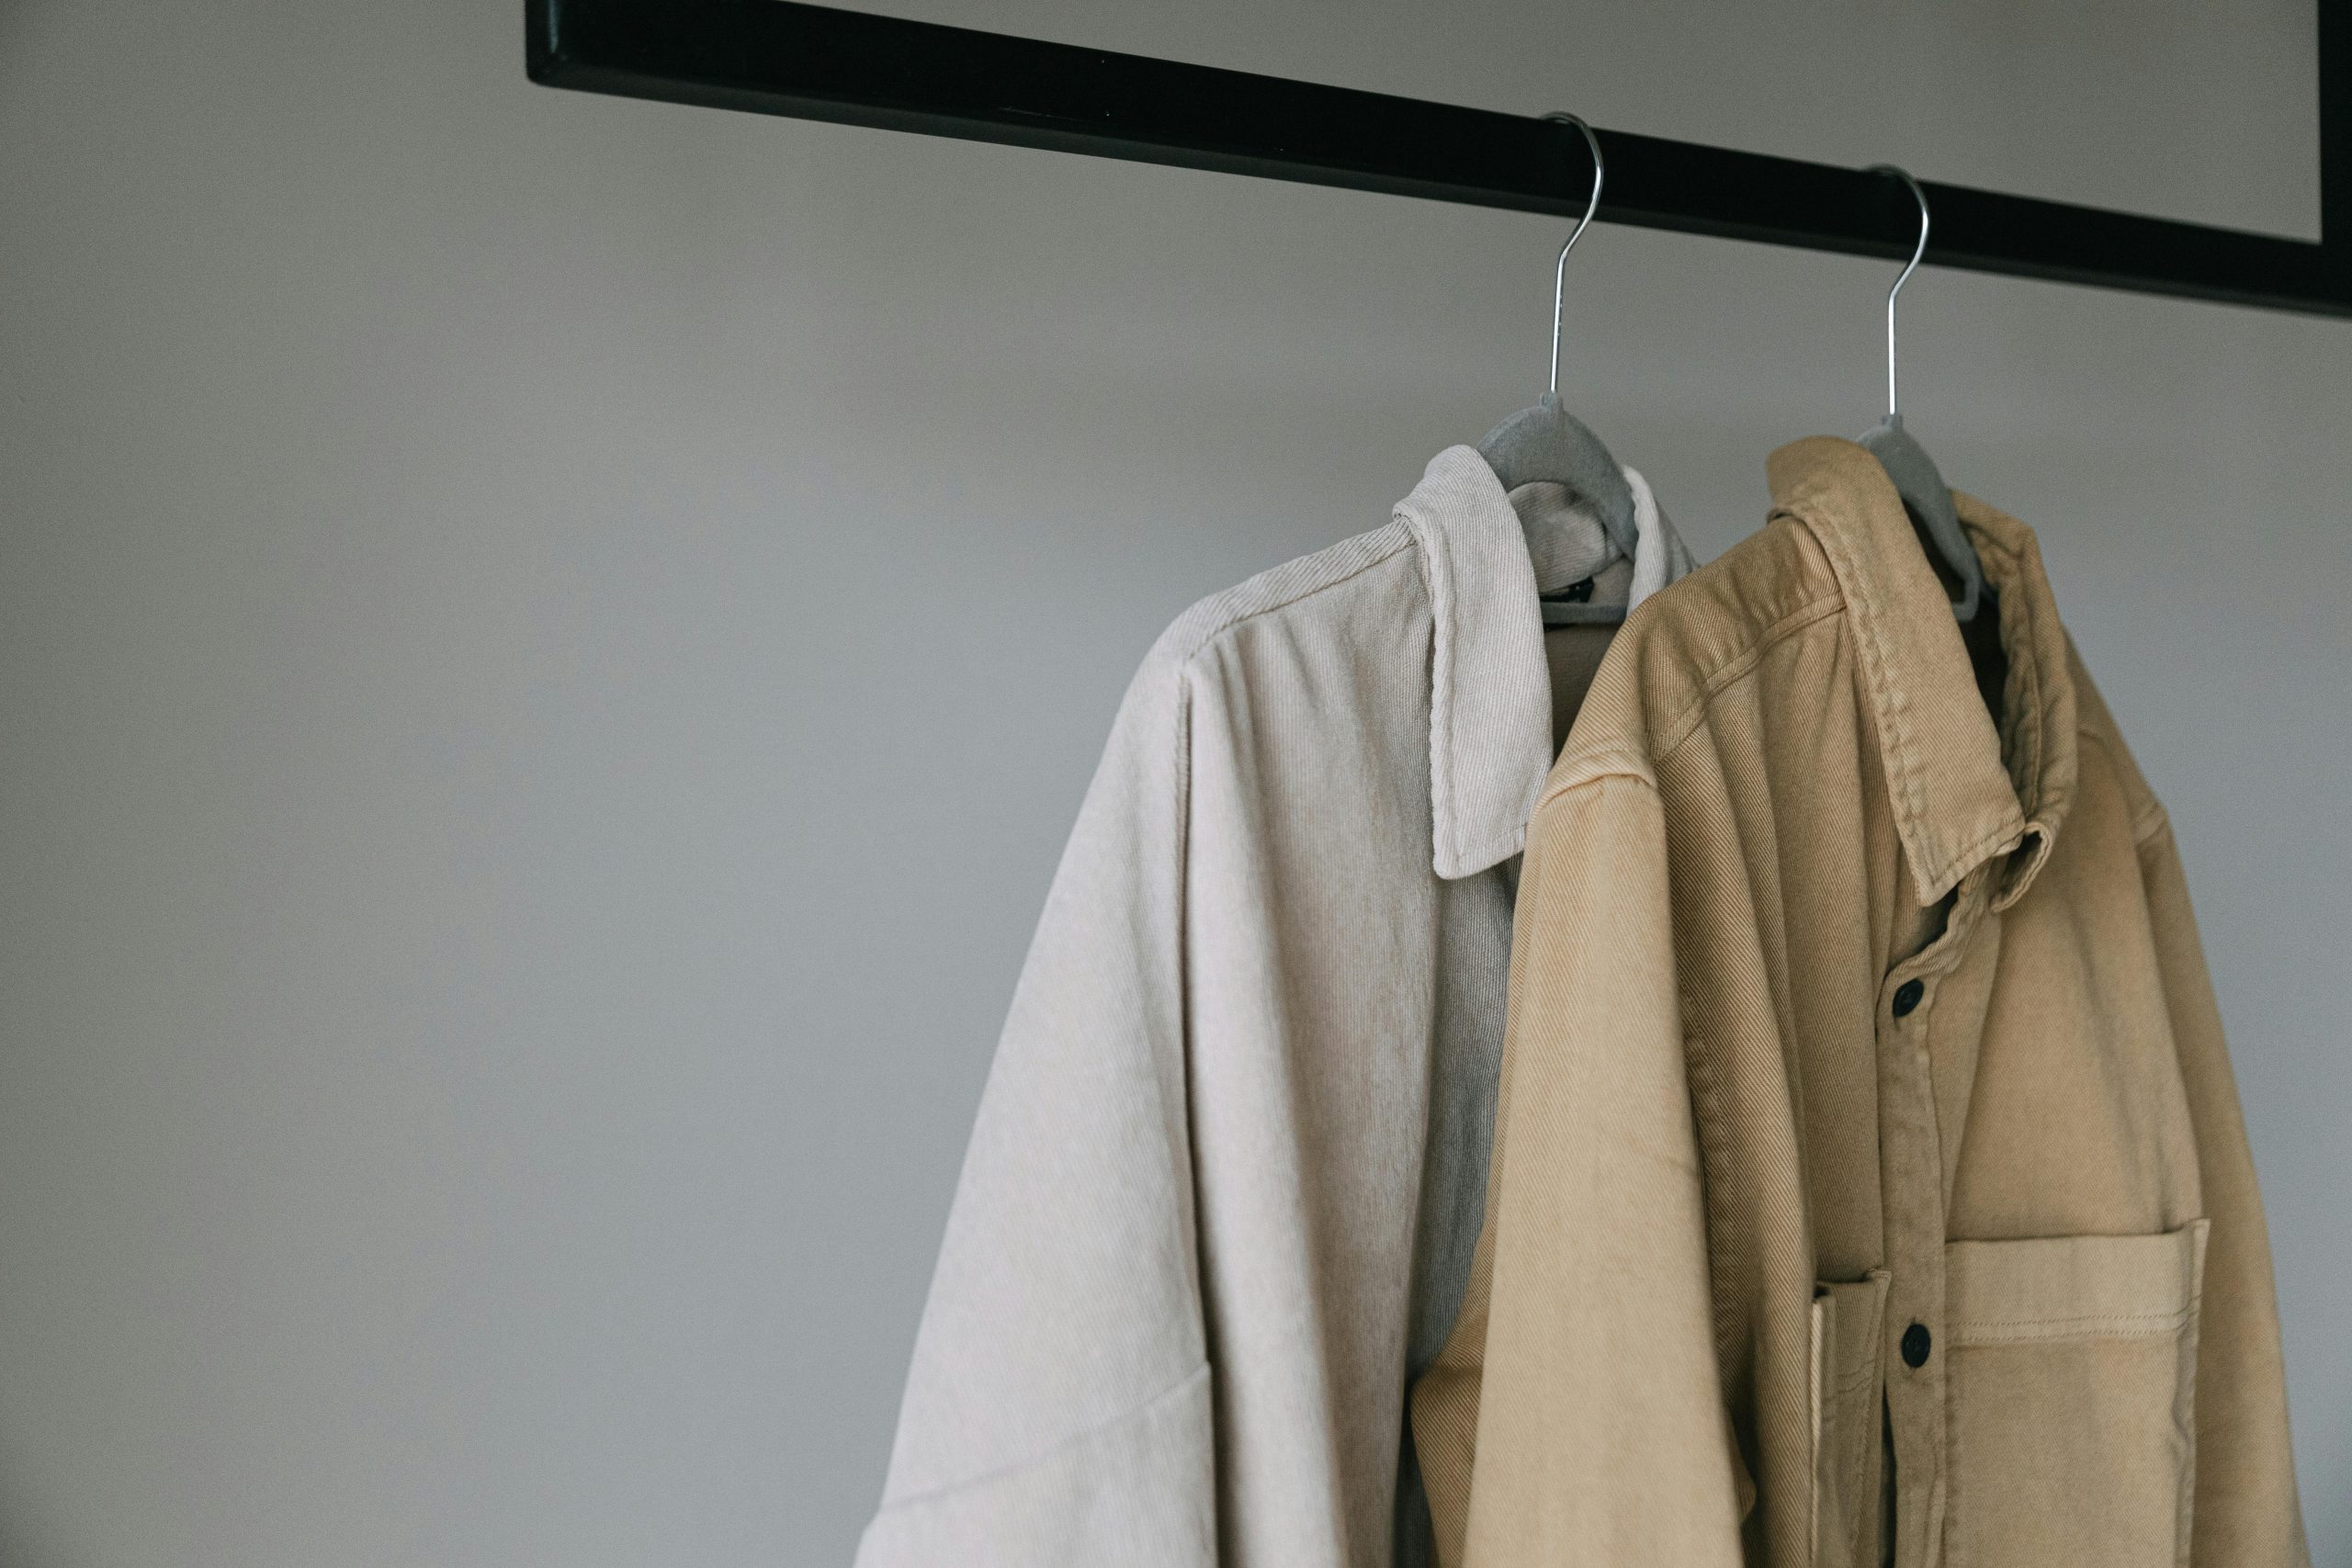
x: 2245, y: 1513
x: 1058, y: 1409
x: 1581, y: 1376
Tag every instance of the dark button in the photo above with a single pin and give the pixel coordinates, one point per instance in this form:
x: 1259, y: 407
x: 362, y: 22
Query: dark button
x: 1907, y: 997
x: 1917, y: 1343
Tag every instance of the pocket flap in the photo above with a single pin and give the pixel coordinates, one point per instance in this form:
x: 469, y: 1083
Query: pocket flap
x: 2073, y: 1287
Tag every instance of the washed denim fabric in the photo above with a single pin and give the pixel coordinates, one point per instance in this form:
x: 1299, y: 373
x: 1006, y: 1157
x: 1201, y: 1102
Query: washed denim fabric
x: 1226, y: 1177
x: 1868, y: 1183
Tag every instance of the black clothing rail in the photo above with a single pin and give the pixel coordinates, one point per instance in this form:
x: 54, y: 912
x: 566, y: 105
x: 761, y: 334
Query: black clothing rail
x: 819, y: 62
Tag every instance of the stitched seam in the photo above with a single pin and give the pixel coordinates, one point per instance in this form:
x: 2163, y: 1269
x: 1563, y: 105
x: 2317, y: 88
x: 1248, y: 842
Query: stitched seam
x: 1189, y: 1204
x: 1894, y: 717
x: 1448, y: 810
x: 1687, y: 721
x: 2151, y: 818
x: 1983, y: 845
x: 1132, y: 1412
x: 1716, y: 1159
x: 2124, y: 1324
x: 1856, y: 1377
x: 2035, y: 736
x: 1440, y: 779
x: 1632, y: 765
x: 1200, y: 645
x: 1627, y: 766
x: 2031, y: 736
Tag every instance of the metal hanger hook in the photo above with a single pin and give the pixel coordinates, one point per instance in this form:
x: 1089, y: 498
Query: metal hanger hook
x: 1892, y: 417
x: 1560, y: 269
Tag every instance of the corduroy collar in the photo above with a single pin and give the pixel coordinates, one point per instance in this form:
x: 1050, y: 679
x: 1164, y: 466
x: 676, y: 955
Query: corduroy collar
x: 1962, y: 794
x: 1491, y: 688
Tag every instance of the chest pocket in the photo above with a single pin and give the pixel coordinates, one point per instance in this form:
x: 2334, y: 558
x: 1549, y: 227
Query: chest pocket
x: 1848, y: 1330
x: 2071, y: 1391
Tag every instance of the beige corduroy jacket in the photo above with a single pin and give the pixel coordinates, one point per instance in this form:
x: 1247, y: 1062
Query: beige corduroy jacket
x: 1223, y: 1192
x: 1868, y: 1182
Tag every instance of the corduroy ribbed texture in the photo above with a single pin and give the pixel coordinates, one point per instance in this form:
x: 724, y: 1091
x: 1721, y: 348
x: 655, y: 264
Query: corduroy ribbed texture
x: 1220, y: 1200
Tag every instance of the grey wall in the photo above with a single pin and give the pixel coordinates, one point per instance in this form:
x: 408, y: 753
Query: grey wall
x: 547, y: 646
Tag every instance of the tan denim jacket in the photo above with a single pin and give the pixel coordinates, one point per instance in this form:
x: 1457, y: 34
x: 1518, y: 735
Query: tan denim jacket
x: 1869, y: 1181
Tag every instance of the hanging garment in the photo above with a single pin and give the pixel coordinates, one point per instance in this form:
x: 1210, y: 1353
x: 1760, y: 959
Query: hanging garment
x: 1861, y: 1070
x: 1221, y: 1197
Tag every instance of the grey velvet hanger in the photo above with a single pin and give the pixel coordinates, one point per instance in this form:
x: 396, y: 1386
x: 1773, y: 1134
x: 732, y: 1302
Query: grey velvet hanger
x: 1546, y: 442
x: 1917, y: 479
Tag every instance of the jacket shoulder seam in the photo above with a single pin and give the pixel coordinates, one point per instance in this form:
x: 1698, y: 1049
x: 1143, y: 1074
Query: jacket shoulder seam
x: 1612, y: 764
x: 1193, y: 647
x: 1740, y: 665
x: 1616, y: 760
x: 2150, y: 817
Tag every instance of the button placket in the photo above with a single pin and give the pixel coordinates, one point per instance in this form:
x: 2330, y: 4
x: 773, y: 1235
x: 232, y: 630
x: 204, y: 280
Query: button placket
x: 1911, y: 1177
